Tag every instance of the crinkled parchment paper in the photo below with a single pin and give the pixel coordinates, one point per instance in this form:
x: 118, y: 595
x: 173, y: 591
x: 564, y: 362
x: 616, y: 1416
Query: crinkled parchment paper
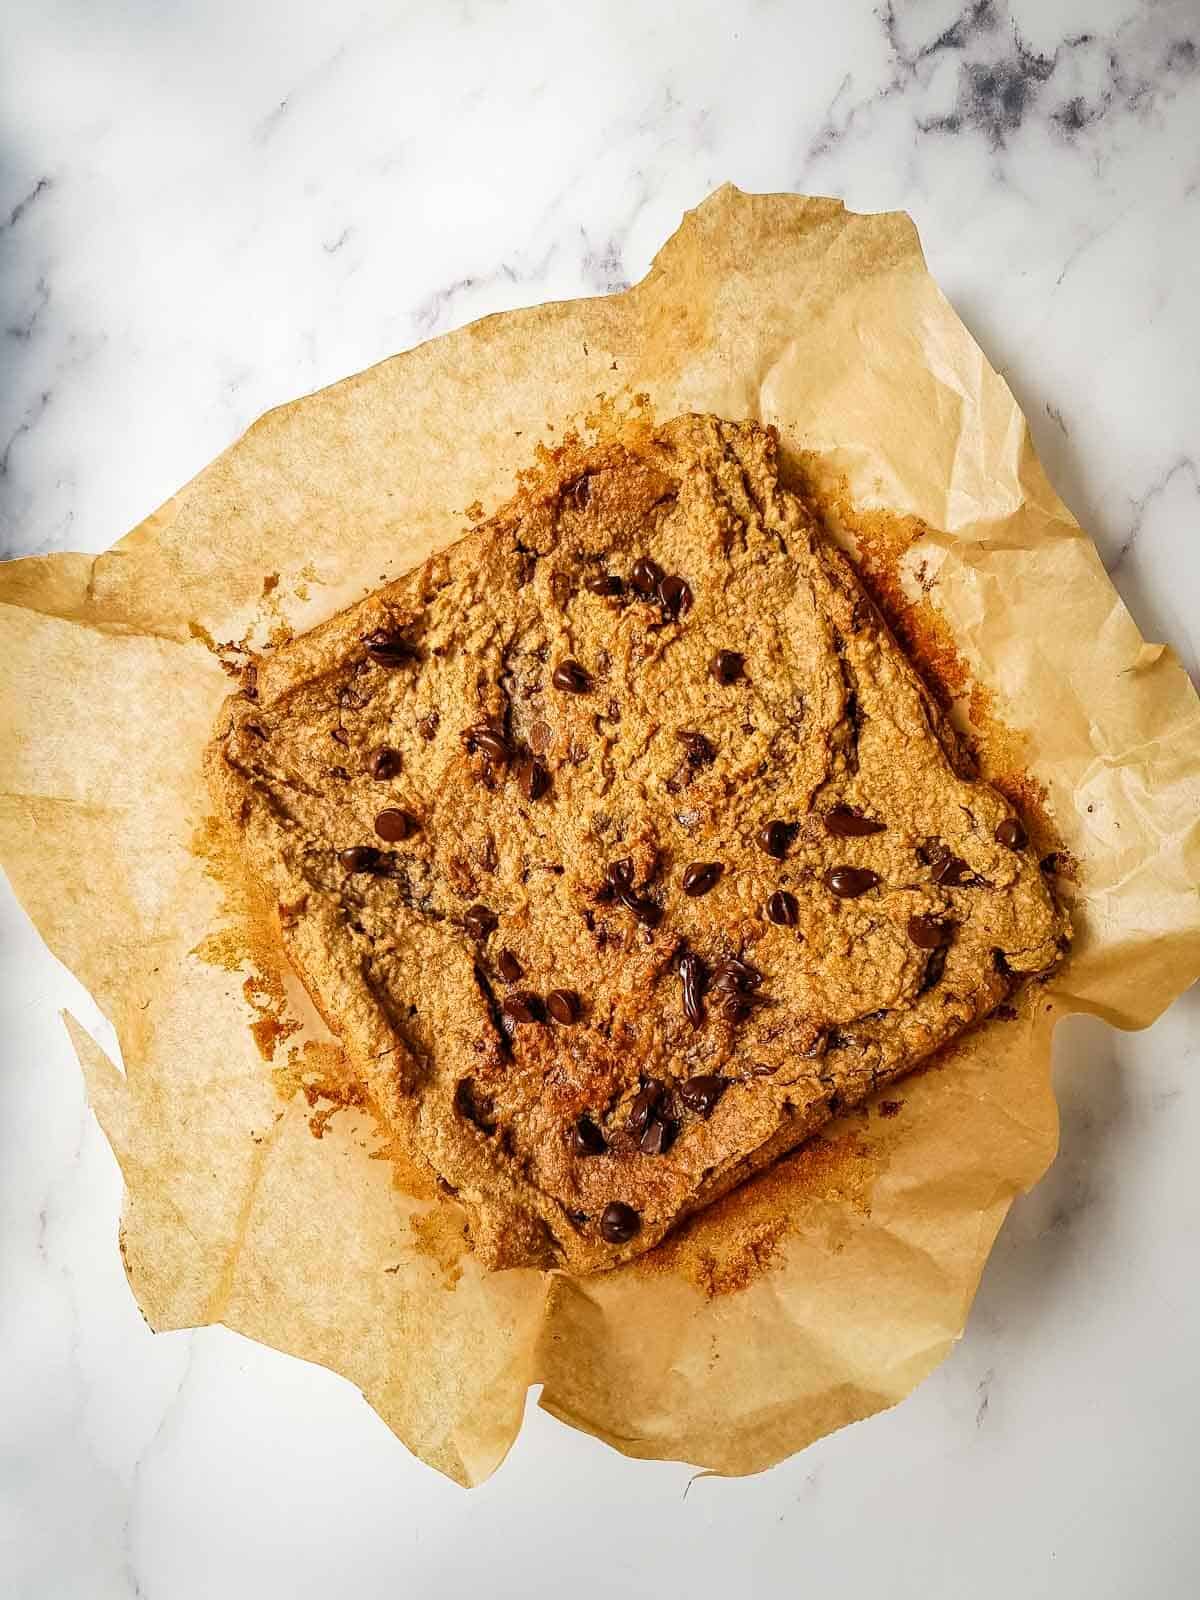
x: 259, y: 1192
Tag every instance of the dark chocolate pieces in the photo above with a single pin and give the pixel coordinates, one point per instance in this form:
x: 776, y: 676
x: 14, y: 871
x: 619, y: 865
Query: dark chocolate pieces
x: 619, y: 1223
x: 564, y: 1006
x: 395, y: 825
x: 692, y: 977
x: 700, y: 877
x: 570, y: 678
x: 586, y: 1138
x: 782, y: 909
x: 930, y: 933
x: 385, y: 763
x: 523, y: 1007
x: 1011, y: 834
x: 701, y: 1093
x: 727, y: 667
x: 845, y: 823
x: 849, y: 882
x: 605, y: 584
x: 646, y: 577
x: 360, y: 858
x: 479, y: 921
x: 774, y: 839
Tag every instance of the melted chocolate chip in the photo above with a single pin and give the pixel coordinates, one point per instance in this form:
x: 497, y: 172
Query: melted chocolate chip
x: 644, y: 1104
x: 726, y: 666
x: 774, y: 839
x: 845, y: 823
x: 509, y: 968
x: 930, y: 933
x: 701, y: 751
x: 360, y: 858
x: 479, y: 921
x: 523, y: 1007
x: 534, y: 780
x: 700, y: 877
x: 675, y: 597
x: 657, y: 1137
x: 849, y: 882
x: 950, y: 872
x: 389, y: 649
x: 488, y: 741
x: 586, y: 1138
x: 340, y: 736
x: 1011, y: 834
x: 646, y: 577
x: 700, y: 1094
x: 563, y: 1005
x: 692, y: 976
x: 735, y: 1008
x: 385, y: 763
x: 427, y: 727
x: 619, y: 1223
x: 605, y: 584
x: 782, y: 908
x: 620, y: 873
x: 570, y: 678
x: 395, y: 825
x: 734, y: 976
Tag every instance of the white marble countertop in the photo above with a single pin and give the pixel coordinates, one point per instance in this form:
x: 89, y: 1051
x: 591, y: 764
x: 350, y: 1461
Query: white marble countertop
x: 207, y: 208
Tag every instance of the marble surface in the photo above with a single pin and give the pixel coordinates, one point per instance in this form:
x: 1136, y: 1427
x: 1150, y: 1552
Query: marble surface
x: 207, y: 208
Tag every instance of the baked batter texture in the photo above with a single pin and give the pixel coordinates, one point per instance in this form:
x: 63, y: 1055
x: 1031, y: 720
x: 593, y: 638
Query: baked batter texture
x: 621, y: 846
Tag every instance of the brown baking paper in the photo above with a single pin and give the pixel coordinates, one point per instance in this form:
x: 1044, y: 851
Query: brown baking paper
x: 259, y: 1191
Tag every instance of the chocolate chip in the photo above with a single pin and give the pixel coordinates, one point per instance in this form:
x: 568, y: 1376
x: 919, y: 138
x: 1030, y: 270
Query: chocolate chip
x: 619, y: 1223
x: 692, y: 976
x: 605, y: 584
x: 560, y: 588
x: 643, y: 1107
x: 534, y: 780
x: 845, y: 823
x: 427, y: 727
x: 385, y: 763
x: 389, y: 649
x: 488, y: 741
x: 700, y: 877
x: 1011, y: 834
x: 849, y: 882
x: 950, y: 872
x: 701, y: 1094
x: 646, y: 577
x: 930, y: 933
x: 360, y: 858
x: 735, y: 1008
x: 395, y: 825
x: 479, y: 921
x: 935, y: 965
x: 657, y: 1137
x: 570, y: 678
x: 563, y: 1005
x: 586, y: 1139
x: 675, y: 597
x: 733, y: 975
x: 701, y: 751
x: 340, y: 736
x: 509, y: 968
x: 726, y: 666
x: 774, y: 839
x: 644, y: 909
x: 782, y: 908
x: 620, y: 872
x: 523, y: 1007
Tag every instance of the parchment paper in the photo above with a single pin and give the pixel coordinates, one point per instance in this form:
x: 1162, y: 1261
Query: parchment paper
x: 259, y: 1192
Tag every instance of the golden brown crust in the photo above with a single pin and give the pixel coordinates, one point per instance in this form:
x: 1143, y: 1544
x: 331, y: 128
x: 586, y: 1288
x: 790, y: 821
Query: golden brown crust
x: 649, y: 759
